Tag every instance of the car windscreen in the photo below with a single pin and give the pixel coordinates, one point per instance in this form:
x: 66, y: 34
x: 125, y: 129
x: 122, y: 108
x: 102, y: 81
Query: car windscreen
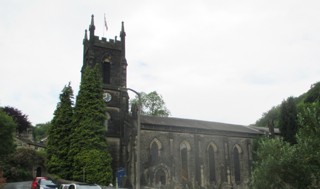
x: 47, y: 182
x: 88, y: 187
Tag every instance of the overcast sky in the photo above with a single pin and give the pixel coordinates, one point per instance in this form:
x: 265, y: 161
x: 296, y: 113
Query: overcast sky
x: 217, y: 60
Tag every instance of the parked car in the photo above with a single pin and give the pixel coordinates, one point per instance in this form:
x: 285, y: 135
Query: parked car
x: 64, y: 186
x: 46, y: 184
x: 35, y: 181
x: 84, y: 186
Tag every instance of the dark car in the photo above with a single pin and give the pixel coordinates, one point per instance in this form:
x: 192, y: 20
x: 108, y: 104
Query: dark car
x: 35, y: 181
x: 46, y: 184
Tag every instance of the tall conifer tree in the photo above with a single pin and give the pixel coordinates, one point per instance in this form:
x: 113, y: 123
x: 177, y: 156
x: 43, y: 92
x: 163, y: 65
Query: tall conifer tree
x: 288, y: 120
x: 59, y: 135
x: 91, y: 160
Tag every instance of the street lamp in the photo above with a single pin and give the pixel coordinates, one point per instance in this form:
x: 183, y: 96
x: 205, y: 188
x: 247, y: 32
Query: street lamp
x: 138, y: 136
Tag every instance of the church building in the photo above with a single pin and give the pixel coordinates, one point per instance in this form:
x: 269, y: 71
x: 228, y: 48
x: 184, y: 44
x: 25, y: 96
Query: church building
x: 164, y: 152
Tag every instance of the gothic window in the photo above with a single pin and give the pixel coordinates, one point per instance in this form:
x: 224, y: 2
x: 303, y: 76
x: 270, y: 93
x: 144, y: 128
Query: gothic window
x: 236, y: 162
x: 154, y: 152
x: 212, y: 166
x: 106, y: 70
x: 184, y: 148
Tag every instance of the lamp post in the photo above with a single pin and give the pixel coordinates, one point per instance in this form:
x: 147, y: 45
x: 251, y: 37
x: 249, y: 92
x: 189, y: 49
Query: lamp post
x: 138, y: 137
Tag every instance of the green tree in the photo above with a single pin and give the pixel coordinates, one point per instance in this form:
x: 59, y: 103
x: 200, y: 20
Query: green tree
x: 89, y: 128
x: 41, y: 131
x: 59, y: 135
x: 277, y: 166
x: 308, y: 142
x: 288, y: 120
x: 270, y: 118
x: 20, y: 164
x: 7, y: 128
x: 152, y: 104
x: 281, y: 165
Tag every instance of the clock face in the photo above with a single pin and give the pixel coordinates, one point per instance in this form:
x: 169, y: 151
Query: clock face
x: 107, y: 97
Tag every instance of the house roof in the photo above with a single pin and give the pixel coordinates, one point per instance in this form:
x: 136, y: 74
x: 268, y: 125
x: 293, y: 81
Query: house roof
x: 196, y: 124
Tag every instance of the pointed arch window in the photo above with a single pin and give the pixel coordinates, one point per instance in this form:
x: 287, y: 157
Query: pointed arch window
x: 155, y: 147
x: 212, y: 166
x: 106, y: 71
x: 154, y: 152
x: 184, y: 149
x: 236, y: 162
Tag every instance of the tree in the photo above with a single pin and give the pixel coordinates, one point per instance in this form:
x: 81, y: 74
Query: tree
x: 41, y: 131
x: 7, y: 128
x: 89, y: 128
x: 21, y: 119
x: 277, y: 166
x: 308, y: 142
x: 281, y: 165
x: 288, y: 120
x: 59, y: 135
x: 152, y: 104
x: 19, y: 165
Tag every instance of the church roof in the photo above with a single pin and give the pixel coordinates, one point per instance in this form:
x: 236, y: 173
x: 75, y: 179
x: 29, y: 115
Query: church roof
x: 152, y: 122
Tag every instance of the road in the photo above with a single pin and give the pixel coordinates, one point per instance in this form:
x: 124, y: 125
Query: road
x: 18, y: 185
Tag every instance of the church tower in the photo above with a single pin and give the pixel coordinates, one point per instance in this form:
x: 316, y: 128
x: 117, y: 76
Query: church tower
x: 111, y: 58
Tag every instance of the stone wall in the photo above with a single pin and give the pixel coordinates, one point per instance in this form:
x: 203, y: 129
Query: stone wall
x: 169, y: 162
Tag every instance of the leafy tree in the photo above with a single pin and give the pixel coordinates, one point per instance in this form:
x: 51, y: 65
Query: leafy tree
x: 308, y: 142
x: 89, y: 128
x: 277, y: 166
x: 59, y: 135
x: 281, y: 165
x: 20, y: 164
x: 41, y: 131
x: 288, y: 120
x: 21, y: 119
x: 152, y: 104
x: 270, y: 118
x: 313, y: 95
x: 7, y: 128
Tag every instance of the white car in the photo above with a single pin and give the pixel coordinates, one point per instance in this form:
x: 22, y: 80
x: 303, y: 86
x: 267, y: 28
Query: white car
x: 84, y: 186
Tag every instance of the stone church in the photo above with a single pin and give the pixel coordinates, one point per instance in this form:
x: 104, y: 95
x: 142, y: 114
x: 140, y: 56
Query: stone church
x: 172, y: 152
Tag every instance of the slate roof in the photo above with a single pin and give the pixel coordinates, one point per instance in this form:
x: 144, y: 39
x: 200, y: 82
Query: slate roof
x: 195, y: 124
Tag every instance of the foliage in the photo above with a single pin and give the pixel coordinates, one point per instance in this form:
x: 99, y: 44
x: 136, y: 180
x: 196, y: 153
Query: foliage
x: 288, y: 120
x: 152, y: 104
x: 19, y: 165
x: 7, y: 128
x: 59, y: 135
x: 308, y: 141
x: 88, y: 132
x: 282, y: 165
x: 21, y: 119
x: 97, y: 171
x: 313, y: 94
x: 278, y: 168
x: 273, y: 115
x: 270, y: 118
x: 41, y: 131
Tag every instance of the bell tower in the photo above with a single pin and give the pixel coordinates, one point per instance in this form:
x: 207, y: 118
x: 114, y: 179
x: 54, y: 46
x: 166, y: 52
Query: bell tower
x: 110, y: 56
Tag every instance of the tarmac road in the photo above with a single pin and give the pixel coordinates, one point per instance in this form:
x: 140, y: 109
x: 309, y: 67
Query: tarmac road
x: 18, y: 185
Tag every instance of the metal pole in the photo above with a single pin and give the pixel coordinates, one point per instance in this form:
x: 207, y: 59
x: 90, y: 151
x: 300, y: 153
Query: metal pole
x: 138, y: 138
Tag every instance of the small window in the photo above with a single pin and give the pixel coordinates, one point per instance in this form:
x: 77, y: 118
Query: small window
x: 106, y: 71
